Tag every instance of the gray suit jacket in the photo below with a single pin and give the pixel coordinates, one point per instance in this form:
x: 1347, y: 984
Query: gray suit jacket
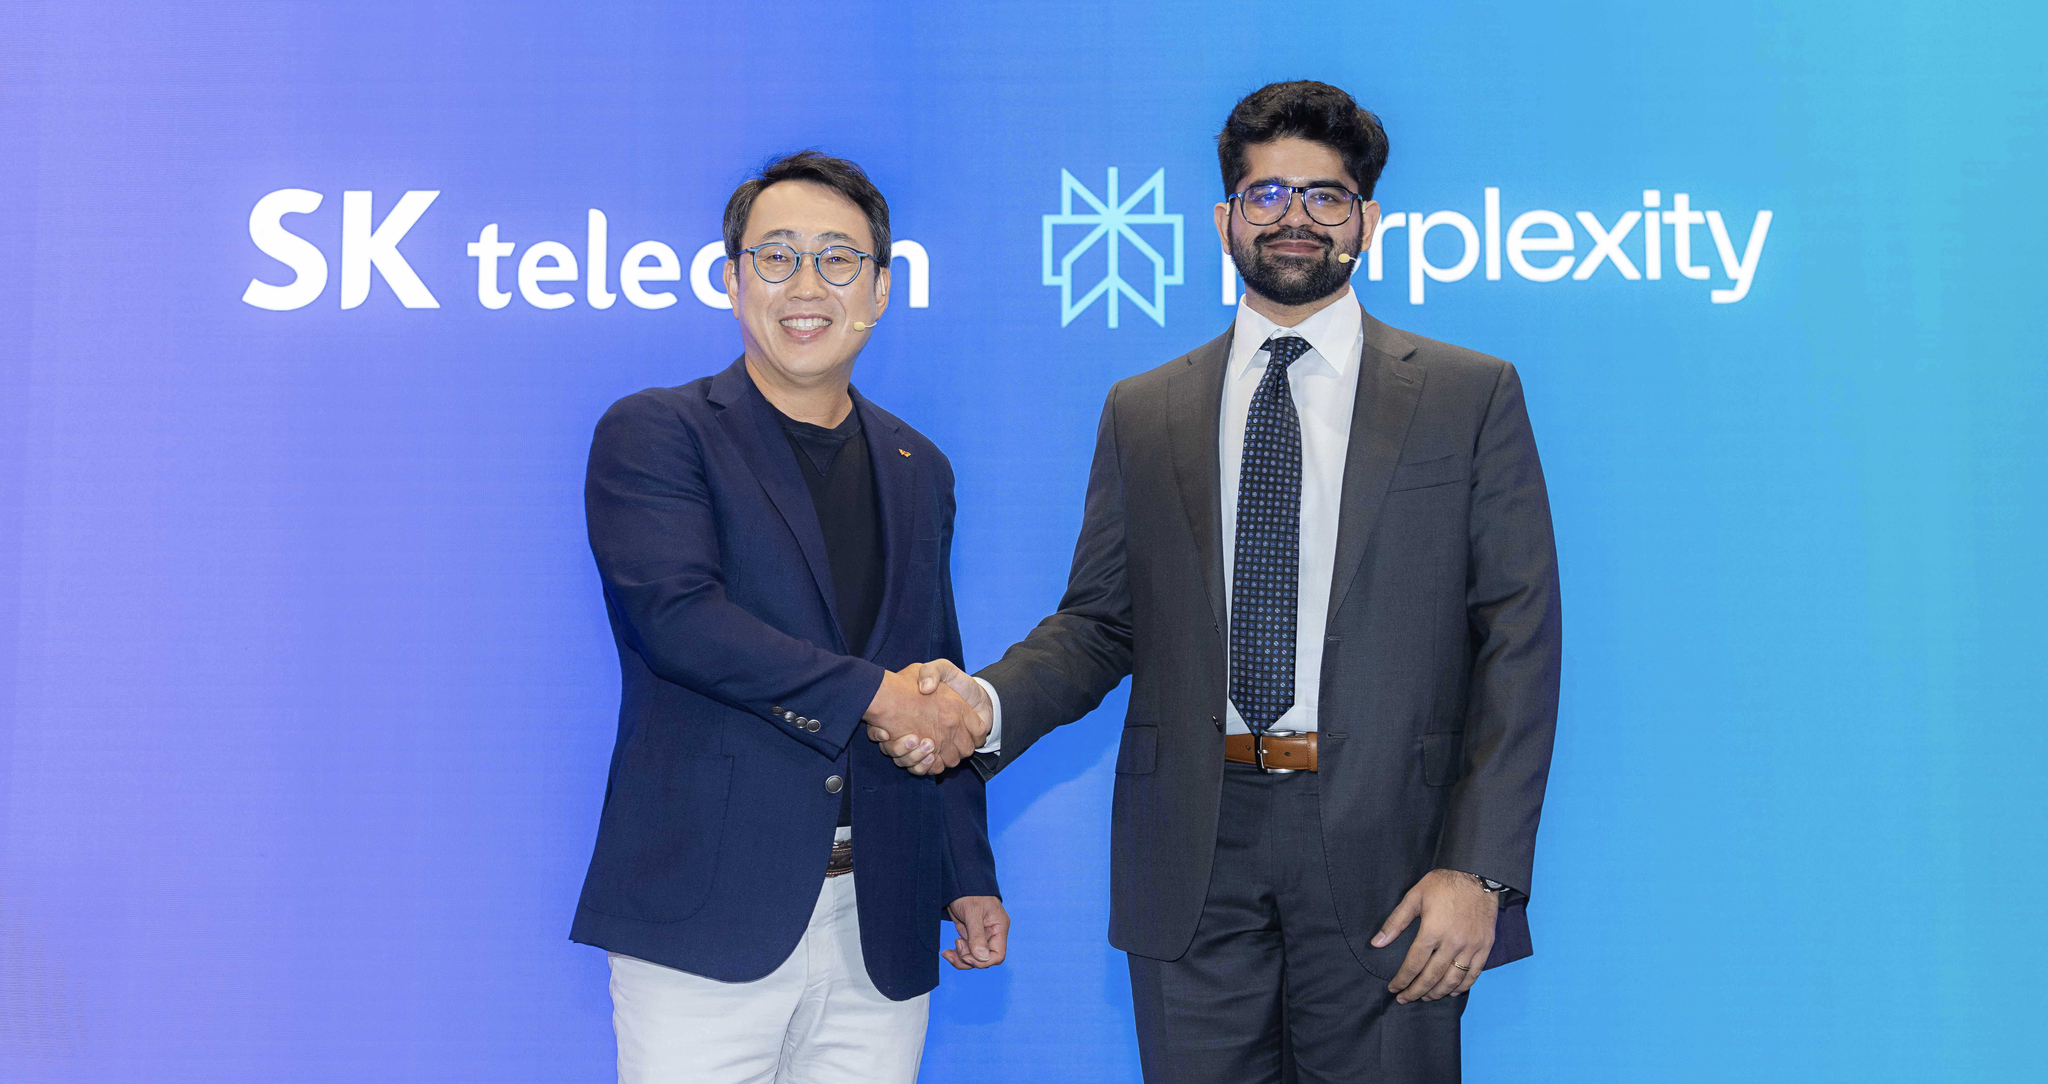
x: 1440, y: 671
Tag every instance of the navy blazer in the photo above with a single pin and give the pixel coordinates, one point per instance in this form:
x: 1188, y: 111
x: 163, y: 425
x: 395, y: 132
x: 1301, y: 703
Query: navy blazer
x: 717, y: 822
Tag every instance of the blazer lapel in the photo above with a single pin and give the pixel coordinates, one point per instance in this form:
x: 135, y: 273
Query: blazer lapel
x: 1195, y: 401
x: 1389, y: 386
x: 898, y: 480
x: 750, y: 421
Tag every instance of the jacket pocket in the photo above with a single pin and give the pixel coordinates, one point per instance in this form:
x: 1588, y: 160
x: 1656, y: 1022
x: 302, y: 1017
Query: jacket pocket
x: 658, y: 841
x: 1139, y: 753
x: 1430, y: 472
x: 1443, y: 757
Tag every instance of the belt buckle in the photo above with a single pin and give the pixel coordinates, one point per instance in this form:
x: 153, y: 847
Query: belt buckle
x: 1259, y: 750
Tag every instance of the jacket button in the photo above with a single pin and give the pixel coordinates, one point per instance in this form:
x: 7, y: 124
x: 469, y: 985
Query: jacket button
x: 812, y: 725
x: 833, y: 784
x: 789, y: 717
x: 775, y: 710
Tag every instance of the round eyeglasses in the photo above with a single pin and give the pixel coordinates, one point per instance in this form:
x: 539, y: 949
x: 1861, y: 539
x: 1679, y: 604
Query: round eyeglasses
x: 1265, y: 204
x: 836, y: 264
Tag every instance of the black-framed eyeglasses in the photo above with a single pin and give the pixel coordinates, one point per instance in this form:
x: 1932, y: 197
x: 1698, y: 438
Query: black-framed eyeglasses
x: 836, y: 264
x: 1327, y: 205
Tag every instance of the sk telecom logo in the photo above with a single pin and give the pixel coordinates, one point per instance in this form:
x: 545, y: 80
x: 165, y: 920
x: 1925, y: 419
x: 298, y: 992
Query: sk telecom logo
x: 1114, y: 221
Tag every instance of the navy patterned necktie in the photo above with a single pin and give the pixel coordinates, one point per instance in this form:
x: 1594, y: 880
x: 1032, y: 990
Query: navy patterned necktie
x: 1267, y: 566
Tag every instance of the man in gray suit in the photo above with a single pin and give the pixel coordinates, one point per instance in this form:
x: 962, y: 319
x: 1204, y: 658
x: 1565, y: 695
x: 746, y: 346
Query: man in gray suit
x: 1322, y: 549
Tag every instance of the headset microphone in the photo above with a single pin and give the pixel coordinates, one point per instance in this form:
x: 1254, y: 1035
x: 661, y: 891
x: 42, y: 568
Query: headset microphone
x: 858, y: 326
x: 1345, y: 257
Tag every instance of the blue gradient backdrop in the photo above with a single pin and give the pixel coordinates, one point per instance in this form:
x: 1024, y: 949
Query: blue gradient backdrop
x: 305, y: 687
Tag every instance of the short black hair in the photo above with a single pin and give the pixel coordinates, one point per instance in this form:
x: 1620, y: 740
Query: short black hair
x: 1317, y: 112
x: 837, y: 174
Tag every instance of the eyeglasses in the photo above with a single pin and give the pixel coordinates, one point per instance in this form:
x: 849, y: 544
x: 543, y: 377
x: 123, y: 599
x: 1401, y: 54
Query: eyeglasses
x: 1265, y: 204
x: 837, y: 264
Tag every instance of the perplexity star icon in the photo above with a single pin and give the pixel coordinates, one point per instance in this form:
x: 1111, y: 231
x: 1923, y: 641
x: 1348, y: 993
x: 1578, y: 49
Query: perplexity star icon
x: 1114, y: 220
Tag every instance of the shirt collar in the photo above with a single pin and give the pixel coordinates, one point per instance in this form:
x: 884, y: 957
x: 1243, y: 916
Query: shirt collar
x: 1333, y: 333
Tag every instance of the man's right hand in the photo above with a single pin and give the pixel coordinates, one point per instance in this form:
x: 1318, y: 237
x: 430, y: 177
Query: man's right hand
x: 932, y: 677
x: 924, y: 733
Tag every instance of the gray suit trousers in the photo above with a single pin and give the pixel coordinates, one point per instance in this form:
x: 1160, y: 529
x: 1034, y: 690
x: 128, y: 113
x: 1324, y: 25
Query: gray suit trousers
x: 1270, y: 990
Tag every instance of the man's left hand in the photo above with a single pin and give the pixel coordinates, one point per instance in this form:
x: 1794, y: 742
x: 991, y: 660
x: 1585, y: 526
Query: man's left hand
x: 984, y: 932
x: 1458, y: 916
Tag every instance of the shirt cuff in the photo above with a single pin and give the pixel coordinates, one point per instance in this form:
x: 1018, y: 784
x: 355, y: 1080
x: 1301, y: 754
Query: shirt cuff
x: 994, y: 744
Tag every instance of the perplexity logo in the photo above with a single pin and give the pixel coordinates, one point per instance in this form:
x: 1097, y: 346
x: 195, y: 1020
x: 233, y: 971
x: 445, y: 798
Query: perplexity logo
x: 368, y: 245
x: 1551, y: 237
x: 1540, y: 246
x: 1112, y: 223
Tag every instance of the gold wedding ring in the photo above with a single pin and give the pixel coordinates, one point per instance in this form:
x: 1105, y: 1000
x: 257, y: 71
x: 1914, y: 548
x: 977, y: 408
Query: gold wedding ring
x: 1459, y: 966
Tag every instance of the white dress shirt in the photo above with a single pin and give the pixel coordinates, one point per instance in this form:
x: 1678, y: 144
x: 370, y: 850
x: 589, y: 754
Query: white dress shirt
x: 1325, y: 385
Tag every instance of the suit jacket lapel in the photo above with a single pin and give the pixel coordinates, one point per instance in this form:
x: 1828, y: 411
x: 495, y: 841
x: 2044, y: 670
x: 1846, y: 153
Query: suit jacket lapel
x: 1389, y: 386
x: 897, y: 485
x: 1195, y: 399
x: 751, y: 422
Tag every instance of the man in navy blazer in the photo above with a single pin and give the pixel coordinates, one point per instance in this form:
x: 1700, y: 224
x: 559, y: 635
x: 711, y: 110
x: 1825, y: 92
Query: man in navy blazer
x: 775, y: 553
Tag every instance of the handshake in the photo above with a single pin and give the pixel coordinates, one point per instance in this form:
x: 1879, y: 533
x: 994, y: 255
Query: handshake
x: 930, y: 716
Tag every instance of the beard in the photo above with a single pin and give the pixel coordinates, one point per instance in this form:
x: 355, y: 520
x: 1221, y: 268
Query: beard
x: 1291, y: 280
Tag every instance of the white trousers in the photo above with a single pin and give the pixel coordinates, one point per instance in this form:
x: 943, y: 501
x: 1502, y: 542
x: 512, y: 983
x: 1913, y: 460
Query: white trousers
x: 817, y: 1019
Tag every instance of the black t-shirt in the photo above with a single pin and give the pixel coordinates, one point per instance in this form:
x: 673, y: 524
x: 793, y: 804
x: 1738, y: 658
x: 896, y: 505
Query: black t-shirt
x: 841, y: 478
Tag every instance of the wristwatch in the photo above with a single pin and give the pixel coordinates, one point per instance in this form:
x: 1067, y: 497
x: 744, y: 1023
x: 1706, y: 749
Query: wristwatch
x: 1493, y: 888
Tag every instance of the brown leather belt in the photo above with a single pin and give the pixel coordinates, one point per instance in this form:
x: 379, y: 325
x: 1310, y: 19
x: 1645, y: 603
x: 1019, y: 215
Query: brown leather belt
x: 1284, y: 752
x: 842, y: 858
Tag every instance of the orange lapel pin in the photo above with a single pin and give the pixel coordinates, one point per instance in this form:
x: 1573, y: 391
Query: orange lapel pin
x: 905, y: 454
